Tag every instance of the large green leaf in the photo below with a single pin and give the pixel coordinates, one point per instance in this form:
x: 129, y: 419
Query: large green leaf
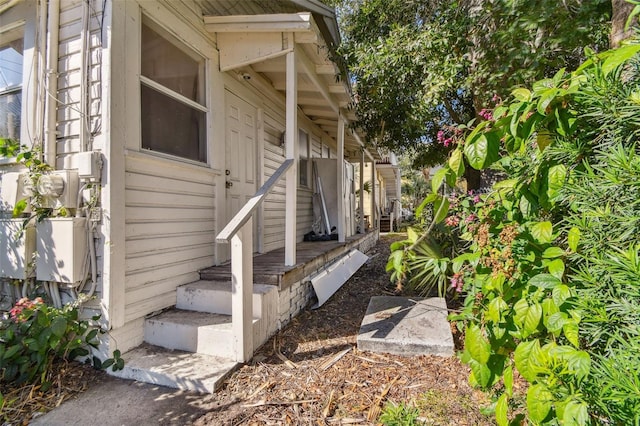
x: 576, y: 413
x: 570, y: 329
x: 412, y: 235
x: 59, y: 326
x: 520, y: 309
x: 556, y: 268
x: 507, y: 378
x: 456, y: 163
x: 480, y: 373
x: 495, y: 309
x: 546, y: 97
x: 532, y: 318
x: 523, y: 358
x: 544, y: 281
x: 560, y: 294
x: 521, y: 94
x: 556, y: 321
x: 555, y: 180
x: 478, y: 347
x: 580, y: 363
x: 440, y: 209
x: 618, y: 56
x: 573, y: 238
x: 437, y: 179
x: 428, y: 200
x: 539, y: 402
x: 483, y: 151
x: 501, y: 410
x: 542, y: 232
x: 543, y: 140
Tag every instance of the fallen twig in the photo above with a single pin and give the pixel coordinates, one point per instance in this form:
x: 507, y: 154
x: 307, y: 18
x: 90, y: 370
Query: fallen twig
x: 263, y: 402
x: 327, y: 409
x: 374, y: 411
x: 283, y: 358
x: 327, y: 364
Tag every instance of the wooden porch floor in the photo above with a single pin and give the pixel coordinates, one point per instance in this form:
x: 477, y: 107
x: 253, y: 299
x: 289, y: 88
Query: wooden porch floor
x: 269, y: 268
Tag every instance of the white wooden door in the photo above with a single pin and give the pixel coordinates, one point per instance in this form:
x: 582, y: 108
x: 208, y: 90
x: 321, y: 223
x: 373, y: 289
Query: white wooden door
x: 240, y: 154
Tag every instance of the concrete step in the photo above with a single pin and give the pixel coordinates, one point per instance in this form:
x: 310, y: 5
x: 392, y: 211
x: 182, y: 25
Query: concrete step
x: 175, y: 369
x: 215, y: 297
x: 191, y: 331
x: 406, y: 326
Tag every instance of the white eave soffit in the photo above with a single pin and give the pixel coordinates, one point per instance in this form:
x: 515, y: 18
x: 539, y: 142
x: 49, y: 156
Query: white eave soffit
x: 248, y: 39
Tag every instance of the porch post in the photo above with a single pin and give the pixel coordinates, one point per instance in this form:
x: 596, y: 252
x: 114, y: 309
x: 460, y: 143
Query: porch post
x: 291, y: 146
x: 340, y: 180
x: 374, y: 201
x: 242, y: 292
x: 362, y: 230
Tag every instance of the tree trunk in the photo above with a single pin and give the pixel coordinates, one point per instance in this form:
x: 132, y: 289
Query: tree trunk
x: 473, y: 177
x: 621, y: 10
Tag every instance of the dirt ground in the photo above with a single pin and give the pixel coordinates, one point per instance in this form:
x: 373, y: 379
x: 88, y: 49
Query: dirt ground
x: 310, y: 373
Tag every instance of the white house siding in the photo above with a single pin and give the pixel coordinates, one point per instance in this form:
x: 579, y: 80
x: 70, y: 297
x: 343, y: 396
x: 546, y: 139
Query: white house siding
x: 169, y: 204
x: 70, y: 60
x: 169, y: 228
x: 305, y: 212
x: 274, y: 204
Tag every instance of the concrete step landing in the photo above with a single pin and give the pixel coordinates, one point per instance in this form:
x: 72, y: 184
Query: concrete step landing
x: 406, y: 326
x: 176, y: 369
x: 199, y: 332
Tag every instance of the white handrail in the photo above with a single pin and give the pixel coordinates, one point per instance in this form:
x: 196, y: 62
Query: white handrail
x: 247, y: 210
x: 238, y: 232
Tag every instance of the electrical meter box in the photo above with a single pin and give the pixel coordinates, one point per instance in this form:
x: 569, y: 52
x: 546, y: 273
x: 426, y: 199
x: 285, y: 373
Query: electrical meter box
x: 62, y: 249
x: 17, y: 246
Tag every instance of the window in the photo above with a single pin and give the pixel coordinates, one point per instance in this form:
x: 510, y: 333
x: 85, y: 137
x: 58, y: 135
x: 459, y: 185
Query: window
x: 172, y: 93
x: 303, y: 144
x: 326, y: 151
x: 11, y: 63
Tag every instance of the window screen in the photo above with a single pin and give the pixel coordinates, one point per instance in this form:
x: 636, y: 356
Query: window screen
x: 172, y: 96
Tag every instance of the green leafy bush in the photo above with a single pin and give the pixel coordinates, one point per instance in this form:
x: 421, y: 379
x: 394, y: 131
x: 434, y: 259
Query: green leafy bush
x: 36, y: 334
x: 552, y: 266
x: 399, y: 415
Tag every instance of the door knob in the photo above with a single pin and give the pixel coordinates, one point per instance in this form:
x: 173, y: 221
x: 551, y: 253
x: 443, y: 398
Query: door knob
x: 229, y: 184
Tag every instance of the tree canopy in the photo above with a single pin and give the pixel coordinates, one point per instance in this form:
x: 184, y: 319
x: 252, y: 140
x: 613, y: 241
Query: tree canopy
x: 421, y: 66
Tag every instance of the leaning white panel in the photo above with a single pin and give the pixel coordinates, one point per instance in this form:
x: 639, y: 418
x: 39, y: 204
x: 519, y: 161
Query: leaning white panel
x: 327, y: 282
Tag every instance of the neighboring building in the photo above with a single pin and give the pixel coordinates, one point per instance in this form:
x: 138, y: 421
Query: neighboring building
x: 162, y: 119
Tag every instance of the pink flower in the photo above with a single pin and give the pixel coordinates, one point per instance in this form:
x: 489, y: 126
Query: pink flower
x: 457, y: 281
x: 21, y: 305
x: 486, y: 114
x: 470, y: 218
x: 452, y: 221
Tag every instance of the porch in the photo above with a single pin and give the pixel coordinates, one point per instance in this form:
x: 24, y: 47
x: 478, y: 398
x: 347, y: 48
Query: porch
x: 311, y: 256
x: 193, y: 346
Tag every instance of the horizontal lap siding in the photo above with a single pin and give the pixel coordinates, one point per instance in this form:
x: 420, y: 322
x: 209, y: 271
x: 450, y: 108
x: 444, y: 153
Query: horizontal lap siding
x: 274, y: 204
x: 69, y: 122
x: 170, y: 230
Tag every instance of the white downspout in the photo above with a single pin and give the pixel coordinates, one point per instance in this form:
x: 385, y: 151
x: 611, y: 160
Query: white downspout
x: 84, y: 80
x: 53, y: 35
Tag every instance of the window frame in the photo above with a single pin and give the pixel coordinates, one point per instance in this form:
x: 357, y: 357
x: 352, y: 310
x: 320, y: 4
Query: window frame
x: 22, y: 18
x: 204, y: 70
